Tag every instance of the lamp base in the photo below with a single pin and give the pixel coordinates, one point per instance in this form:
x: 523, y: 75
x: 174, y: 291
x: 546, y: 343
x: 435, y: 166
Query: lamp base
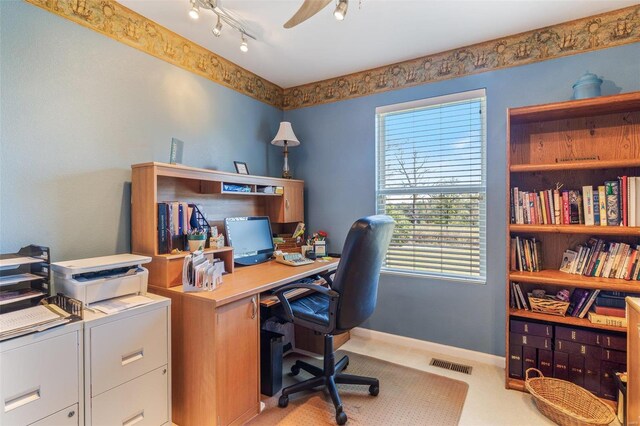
x: 287, y: 175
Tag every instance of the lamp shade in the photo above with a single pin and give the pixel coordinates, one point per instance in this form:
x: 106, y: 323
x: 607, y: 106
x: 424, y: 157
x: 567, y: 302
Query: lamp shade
x: 285, y: 134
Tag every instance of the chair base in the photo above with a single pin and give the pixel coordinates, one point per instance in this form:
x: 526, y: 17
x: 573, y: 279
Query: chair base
x: 328, y: 377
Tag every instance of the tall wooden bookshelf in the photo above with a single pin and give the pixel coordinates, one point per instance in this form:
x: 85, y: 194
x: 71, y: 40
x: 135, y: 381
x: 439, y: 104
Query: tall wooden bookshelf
x: 577, y: 143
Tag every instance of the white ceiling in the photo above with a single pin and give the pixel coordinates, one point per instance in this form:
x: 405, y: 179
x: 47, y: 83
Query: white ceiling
x: 374, y: 33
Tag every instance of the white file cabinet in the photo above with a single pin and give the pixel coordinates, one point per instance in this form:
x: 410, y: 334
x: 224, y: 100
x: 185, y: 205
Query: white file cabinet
x: 127, y: 361
x: 41, y: 378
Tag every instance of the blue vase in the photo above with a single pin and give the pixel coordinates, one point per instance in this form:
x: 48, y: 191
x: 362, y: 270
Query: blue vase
x: 587, y: 86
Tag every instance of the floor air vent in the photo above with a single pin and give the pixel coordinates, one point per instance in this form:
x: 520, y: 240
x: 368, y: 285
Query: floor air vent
x: 466, y: 369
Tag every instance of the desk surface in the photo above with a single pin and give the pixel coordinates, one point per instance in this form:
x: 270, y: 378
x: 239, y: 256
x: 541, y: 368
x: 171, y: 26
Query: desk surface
x: 249, y: 280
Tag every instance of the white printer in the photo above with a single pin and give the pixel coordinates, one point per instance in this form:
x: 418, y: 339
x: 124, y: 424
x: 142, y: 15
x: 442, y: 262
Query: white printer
x: 99, y: 278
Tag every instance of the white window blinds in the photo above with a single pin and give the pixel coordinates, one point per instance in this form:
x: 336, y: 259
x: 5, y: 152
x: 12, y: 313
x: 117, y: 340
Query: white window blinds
x: 431, y: 173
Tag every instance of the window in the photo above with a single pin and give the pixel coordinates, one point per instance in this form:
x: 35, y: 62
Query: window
x: 431, y: 178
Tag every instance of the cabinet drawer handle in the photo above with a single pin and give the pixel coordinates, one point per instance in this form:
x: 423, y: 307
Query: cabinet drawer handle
x: 133, y: 357
x: 286, y: 203
x: 20, y: 400
x: 136, y: 418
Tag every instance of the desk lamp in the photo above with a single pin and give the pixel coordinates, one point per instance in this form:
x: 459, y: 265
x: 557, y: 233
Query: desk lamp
x: 286, y: 138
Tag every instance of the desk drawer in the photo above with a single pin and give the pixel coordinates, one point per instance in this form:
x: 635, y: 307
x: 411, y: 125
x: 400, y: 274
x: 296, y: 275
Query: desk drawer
x: 142, y: 401
x: 127, y: 348
x: 39, y: 379
x: 67, y: 417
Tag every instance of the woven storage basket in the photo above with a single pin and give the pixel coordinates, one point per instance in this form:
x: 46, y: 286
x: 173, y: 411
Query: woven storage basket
x: 565, y: 403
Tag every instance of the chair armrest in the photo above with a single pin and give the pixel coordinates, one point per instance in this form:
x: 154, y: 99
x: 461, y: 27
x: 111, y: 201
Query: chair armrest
x: 334, y: 295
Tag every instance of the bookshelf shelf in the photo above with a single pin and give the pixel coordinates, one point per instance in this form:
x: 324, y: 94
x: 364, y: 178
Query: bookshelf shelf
x: 576, y: 109
x: 574, y: 143
x: 554, y: 277
x: 576, y: 165
x: 577, y: 229
x: 183, y: 254
x: 580, y: 322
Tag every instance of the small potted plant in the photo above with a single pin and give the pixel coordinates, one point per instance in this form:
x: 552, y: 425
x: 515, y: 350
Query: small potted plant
x: 197, y: 239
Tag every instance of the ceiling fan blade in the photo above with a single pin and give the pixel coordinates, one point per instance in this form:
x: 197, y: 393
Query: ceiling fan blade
x: 306, y: 11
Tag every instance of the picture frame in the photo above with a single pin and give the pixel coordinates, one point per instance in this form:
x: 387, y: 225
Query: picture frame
x: 175, y: 155
x: 241, y: 167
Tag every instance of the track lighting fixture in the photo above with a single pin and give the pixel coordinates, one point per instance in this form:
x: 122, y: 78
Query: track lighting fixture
x: 217, y: 30
x: 194, y: 13
x: 341, y: 9
x: 244, y: 46
x: 223, y: 16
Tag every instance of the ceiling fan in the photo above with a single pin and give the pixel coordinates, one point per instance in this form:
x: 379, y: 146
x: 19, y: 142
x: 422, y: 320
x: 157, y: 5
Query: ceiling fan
x: 311, y: 7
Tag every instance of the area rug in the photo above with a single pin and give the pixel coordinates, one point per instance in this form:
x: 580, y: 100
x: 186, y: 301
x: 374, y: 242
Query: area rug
x: 407, y: 397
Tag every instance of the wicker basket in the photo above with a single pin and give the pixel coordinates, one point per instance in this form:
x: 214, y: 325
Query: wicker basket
x: 547, y: 305
x: 565, y: 403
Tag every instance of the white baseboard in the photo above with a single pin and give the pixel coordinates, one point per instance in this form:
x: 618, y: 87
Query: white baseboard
x: 393, y: 339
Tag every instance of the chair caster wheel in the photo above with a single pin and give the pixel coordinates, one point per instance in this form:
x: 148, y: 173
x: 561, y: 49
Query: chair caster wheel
x: 295, y: 370
x: 283, y: 401
x: 341, y: 418
x: 374, y: 390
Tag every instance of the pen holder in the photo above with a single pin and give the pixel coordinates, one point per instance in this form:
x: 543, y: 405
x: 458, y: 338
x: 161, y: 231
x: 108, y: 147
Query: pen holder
x: 197, y: 244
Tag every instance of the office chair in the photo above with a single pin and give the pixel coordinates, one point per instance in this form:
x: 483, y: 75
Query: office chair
x: 349, y: 301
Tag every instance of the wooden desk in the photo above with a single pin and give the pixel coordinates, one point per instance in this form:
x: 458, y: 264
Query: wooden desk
x: 216, y: 343
x: 633, y: 361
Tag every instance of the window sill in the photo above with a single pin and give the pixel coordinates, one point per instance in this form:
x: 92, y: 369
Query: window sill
x: 472, y: 281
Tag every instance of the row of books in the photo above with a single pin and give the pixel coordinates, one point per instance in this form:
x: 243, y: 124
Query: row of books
x: 599, y: 258
x: 615, y: 203
x: 526, y: 254
x: 174, y: 222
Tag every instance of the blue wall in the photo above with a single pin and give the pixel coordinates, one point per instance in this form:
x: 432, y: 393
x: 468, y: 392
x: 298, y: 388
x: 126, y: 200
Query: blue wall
x: 336, y: 159
x: 77, y: 109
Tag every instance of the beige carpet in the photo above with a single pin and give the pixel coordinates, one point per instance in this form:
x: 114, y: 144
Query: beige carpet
x: 407, y: 397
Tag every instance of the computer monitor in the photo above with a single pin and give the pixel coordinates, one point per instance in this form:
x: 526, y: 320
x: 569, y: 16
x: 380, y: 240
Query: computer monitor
x: 250, y: 238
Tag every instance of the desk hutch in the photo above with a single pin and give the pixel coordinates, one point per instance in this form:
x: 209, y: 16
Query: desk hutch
x: 216, y: 335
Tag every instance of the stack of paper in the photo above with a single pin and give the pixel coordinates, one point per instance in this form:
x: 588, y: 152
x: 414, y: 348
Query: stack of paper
x: 36, y: 318
x: 111, y: 306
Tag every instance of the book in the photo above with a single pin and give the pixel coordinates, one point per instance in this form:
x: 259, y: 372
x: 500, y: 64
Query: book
x: 613, y: 312
x: 632, y: 201
x: 613, y: 302
x: 575, y: 207
x: 523, y: 300
x: 557, y: 207
x: 587, y: 200
x: 637, y: 202
x: 568, y: 258
x: 607, y: 320
x: 624, y: 191
x: 602, y: 199
x: 566, y: 216
x: 589, y: 303
x: 577, y: 300
x: 580, y: 300
x: 596, y: 208
x: 612, y: 190
x: 163, y: 237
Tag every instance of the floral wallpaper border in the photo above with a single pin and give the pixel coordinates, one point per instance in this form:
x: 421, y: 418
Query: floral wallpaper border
x: 112, y: 19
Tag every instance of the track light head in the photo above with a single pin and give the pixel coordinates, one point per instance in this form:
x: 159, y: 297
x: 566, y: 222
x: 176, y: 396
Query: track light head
x: 244, y: 47
x: 341, y: 9
x: 217, y: 30
x: 194, y: 13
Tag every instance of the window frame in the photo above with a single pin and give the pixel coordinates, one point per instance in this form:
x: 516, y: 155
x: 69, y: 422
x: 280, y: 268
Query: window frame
x: 465, y: 189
